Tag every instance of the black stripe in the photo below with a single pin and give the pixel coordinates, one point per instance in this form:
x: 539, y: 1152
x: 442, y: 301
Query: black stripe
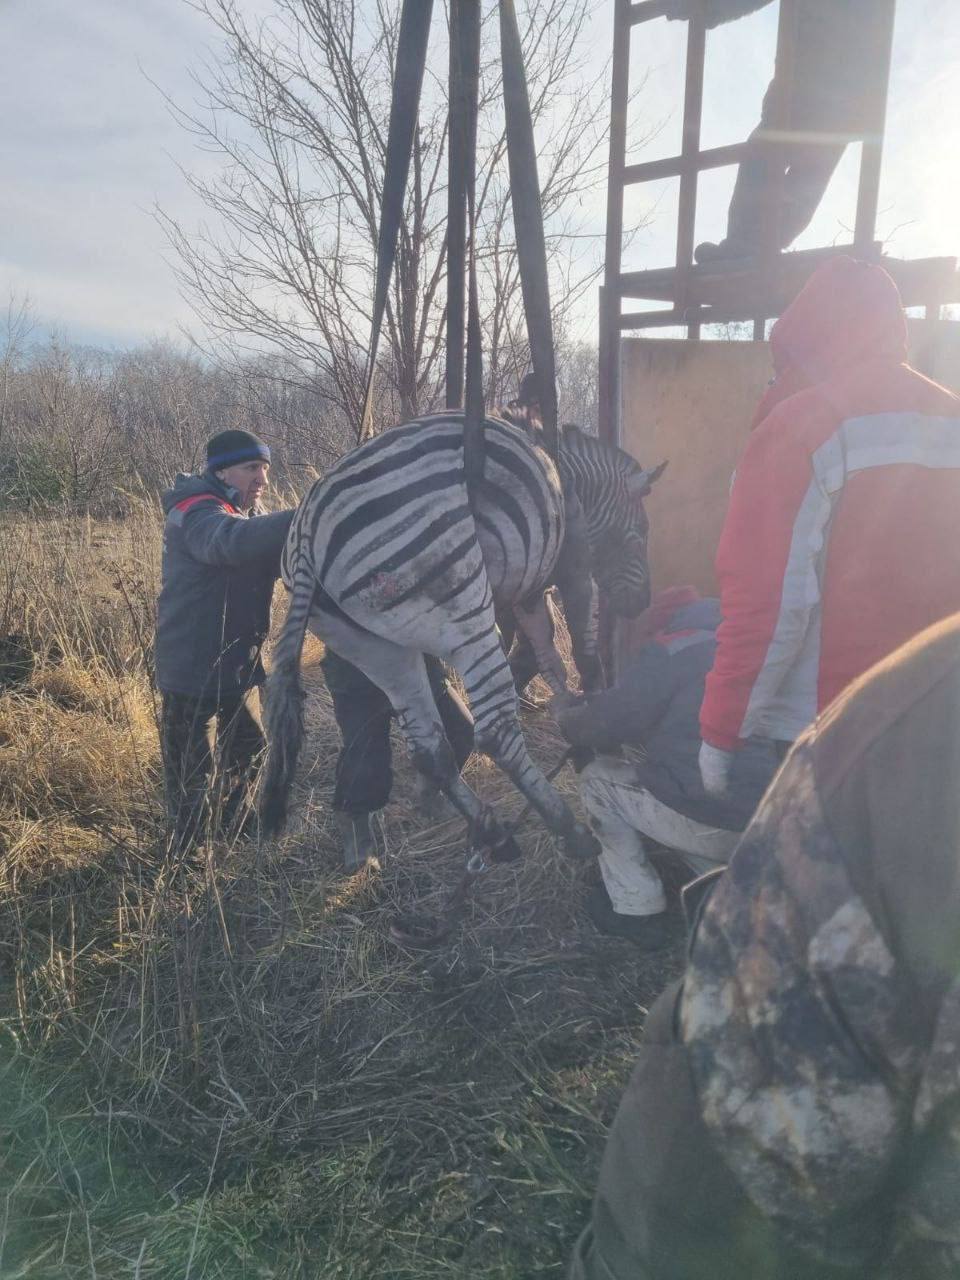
x: 476, y: 703
x: 423, y: 446
x: 500, y: 671
x: 523, y: 470
x: 474, y: 639
x: 484, y: 604
x: 485, y: 522
x: 483, y: 657
x: 437, y: 571
x: 462, y: 586
x: 512, y: 510
x: 410, y: 550
x: 378, y: 508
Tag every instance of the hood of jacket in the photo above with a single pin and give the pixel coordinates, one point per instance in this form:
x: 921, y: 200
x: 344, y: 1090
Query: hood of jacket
x: 190, y: 486
x: 848, y: 313
x: 677, y: 609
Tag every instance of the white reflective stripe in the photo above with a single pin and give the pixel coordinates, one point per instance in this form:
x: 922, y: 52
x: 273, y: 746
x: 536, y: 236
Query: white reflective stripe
x: 784, y: 696
x: 900, y: 439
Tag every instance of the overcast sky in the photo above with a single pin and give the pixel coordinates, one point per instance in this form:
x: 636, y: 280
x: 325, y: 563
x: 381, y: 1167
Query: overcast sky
x: 88, y: 148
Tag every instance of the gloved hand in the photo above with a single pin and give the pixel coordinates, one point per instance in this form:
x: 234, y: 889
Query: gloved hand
x: 715, y: 766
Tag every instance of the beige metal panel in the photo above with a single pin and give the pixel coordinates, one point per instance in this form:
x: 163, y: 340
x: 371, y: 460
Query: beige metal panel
x: 691, y: 402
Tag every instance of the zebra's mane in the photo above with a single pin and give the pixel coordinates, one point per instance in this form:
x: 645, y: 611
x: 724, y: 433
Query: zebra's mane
x: 575, y: 441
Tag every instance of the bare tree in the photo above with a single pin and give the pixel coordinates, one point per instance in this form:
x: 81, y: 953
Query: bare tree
x: 297, y: 107
x: 18, y: 326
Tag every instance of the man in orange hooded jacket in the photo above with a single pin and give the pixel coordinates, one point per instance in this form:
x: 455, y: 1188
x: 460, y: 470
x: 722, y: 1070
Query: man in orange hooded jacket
x: 842, y: 534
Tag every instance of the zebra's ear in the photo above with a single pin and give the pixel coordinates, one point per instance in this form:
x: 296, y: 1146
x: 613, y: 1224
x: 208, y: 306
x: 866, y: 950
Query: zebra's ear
x: 641, y: 482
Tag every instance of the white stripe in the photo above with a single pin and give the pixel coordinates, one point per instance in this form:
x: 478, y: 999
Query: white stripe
x: 783, y: 700
x: 899, y: 439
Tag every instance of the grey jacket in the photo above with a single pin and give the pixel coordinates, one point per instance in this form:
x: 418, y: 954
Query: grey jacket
x: 219, y: 567
x: 655, y: 704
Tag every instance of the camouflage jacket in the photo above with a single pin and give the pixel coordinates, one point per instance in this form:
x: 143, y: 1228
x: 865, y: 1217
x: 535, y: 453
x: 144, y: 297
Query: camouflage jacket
x: 821, y: 1008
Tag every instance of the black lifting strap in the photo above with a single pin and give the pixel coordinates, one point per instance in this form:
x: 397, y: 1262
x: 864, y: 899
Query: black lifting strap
x: 456, y: 215
x: 464, y: 94
x: 528, y: 220
x: 404, y: 108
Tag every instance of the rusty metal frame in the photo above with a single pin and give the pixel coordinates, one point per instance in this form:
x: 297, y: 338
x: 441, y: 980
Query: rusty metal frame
x: 757, y: 291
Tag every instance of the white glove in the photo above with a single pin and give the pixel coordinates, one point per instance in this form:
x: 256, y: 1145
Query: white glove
x: 715, y: 766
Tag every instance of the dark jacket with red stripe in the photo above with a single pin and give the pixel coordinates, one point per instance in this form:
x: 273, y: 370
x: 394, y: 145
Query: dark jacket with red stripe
x: 219, y: 567
x: 840, y: 541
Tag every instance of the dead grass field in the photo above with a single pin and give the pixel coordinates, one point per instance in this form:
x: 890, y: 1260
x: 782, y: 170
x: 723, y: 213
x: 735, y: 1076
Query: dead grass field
x: 226, y: 1068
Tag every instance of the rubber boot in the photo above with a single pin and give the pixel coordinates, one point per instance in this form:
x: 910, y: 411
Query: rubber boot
x: 357, y: 842
x: 648, y: 933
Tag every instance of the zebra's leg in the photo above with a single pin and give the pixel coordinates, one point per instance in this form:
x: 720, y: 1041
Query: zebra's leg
x: 581, y: 609
x: 536, y: 621
x: 402, y: 675
x: 488, y: 680
x: 578, y: 591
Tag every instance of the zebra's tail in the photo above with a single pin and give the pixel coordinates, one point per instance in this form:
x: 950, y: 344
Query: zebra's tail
x: 283, y: 715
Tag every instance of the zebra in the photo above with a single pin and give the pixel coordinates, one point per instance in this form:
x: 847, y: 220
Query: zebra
x: 389, y: 557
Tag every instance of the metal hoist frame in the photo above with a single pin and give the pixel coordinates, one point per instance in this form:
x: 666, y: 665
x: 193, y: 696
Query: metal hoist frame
x: 464, y: 343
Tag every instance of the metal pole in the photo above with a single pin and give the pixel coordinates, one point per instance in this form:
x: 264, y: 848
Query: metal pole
x: 871, y: 158
x: 609, y: 370
x: 690, y: 150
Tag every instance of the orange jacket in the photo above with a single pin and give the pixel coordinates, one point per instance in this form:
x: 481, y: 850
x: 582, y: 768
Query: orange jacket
x: 842, y: 538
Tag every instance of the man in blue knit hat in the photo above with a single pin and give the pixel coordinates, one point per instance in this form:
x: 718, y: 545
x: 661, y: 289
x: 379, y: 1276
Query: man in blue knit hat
x: 221, y: 557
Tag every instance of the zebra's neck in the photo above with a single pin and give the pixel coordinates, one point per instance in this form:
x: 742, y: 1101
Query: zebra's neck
x: 580, y: 471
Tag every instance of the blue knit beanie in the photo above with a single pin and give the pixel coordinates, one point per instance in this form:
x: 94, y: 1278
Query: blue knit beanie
x: 230, y: 447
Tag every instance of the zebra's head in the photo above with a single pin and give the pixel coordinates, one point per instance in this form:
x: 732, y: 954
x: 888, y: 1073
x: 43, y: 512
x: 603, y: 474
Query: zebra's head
x: 611, y: 487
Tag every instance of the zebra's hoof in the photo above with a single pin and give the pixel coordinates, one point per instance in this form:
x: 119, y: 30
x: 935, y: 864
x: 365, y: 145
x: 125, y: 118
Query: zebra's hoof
x: 581, y: 843
x: 506, y: 851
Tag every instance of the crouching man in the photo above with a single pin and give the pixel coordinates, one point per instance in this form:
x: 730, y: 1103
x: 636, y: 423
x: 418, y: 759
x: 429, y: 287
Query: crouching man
x: 221, y: 557
x: 659, y: 797
x: 795, y: 1109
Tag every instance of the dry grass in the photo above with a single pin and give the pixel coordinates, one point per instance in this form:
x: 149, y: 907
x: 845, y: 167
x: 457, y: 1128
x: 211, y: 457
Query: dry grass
x: 225, y: 1068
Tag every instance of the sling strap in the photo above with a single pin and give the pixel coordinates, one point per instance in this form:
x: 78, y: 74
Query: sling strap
x: 461, y: 223
x: 464, y: 95
x: 528, y: 220
x: 404, y: 108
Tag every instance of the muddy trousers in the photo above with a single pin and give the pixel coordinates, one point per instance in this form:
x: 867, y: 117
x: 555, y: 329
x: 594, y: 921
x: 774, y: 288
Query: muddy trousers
x: 364, y: 777
x: 667, y: 1207
x: 623, y: 816
x: 212, y: 749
